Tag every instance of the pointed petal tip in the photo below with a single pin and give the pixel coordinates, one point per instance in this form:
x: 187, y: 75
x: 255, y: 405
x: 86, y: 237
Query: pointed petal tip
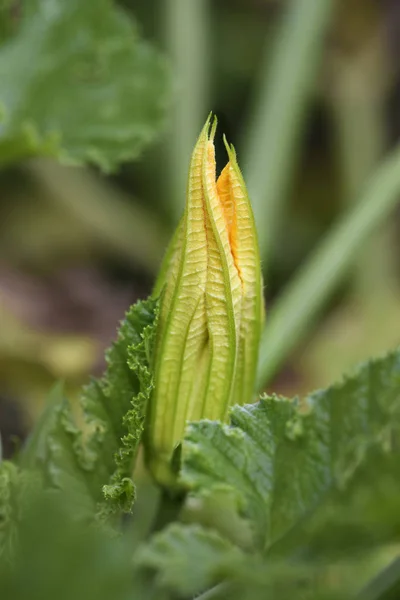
x: 206, y: 127
x: 211, y: 121
x: 230, y: 149
x: 213, y: 128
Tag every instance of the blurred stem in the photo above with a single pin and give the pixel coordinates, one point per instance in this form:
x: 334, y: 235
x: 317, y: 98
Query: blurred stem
x: 359, y: 93
x: 187, y: 25
x: 284, y: 93
x: 127, y: 228
x: 169, y: 508
x: 301, y: 302
x: 385, y: 586
x: 218, y: 591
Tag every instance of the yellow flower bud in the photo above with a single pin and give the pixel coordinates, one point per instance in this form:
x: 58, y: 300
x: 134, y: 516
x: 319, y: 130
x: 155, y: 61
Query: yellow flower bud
x: 211, y: 308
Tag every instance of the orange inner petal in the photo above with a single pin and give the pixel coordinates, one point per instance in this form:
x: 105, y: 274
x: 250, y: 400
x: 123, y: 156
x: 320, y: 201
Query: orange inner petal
x: 228, y: 205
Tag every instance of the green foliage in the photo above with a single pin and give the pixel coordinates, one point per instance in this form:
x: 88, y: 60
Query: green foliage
x: 315, y: 481
x: 57, y: 557
x: 296, y: 498
x: 318, y: 481
x: 101, y: 457
x: 281, y: 457
x: 16, y: 489
x: 77, y: 83
x: 6, y: 18
x: 187, y: 560
x: 174, y: 553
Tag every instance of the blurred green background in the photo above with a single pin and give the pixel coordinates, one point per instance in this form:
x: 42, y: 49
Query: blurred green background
x: 97, y: 124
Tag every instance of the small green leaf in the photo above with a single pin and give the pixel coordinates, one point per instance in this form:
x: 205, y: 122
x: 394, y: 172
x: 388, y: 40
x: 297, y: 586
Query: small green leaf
x: 78, y: 83
x: 143, y: 320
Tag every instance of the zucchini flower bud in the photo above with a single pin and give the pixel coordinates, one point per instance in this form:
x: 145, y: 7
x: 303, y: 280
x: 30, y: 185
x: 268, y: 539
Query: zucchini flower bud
x: 211, y: 308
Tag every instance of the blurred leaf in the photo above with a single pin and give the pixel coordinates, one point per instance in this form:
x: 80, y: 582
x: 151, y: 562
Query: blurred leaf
x: 385, y: 586
x: 93, y: 92
x: 281, y: 457
x: 16, y: 489
x: 7, y: 22
x: 54, y: 449
x: 59, y: 557
x: 188, y: 558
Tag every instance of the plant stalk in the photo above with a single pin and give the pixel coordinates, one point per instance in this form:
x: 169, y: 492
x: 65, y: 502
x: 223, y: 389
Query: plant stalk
x: 274, y: 131
x: 300, y: 304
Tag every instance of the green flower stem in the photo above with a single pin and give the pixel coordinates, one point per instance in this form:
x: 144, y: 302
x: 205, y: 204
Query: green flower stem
x: 298, y: 307
x: 284, y: 94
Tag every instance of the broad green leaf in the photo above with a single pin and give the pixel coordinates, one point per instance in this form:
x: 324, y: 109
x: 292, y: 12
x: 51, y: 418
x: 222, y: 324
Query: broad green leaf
x: 78, y: 83
x: 280, y: 458
x: 101, y: 456
x: 340, y: 547
x: 364, y: 515
x: 188, y: 560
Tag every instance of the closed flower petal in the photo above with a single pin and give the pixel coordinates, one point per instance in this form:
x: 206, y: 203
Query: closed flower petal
x: 210, y: 308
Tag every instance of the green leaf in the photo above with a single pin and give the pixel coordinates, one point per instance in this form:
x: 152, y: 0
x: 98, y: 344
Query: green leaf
x: 78, y: 83
x: 280, y: 458
x: 101, y: 456
x: 16, y: 488
x: 362, y: 516
x: 341, y: 546
x: 132, y: 357
x: 58, y: 556
x: 188, y: 559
